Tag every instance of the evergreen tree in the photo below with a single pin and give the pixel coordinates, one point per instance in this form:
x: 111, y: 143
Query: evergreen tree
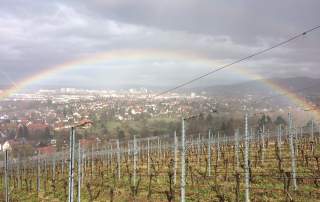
x: 280, y: 121
x: 265, y: 121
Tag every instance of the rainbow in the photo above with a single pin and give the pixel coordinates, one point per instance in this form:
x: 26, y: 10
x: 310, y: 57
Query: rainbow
x: 294, y: 97
x: 148, y: 54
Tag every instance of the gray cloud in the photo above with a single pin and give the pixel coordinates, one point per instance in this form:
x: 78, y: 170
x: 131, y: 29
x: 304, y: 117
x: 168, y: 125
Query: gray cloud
x: 38, y: 34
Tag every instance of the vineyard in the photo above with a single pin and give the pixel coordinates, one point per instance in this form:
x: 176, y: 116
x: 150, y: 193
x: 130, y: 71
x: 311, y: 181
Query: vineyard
x: 253, y: 165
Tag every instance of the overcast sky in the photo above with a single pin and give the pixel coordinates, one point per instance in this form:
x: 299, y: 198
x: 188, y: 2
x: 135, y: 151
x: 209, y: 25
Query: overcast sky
x: 35, y: 35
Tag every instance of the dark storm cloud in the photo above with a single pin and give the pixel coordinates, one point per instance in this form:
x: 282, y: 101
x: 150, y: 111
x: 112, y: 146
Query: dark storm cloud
x: 242, y: 20
x: 38, y: 34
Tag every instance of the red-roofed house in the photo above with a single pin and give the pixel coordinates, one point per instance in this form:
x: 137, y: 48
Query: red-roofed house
x: 37, y: 126
x: 86, y: 143
x: 38, y: 130
x: 48, y: 150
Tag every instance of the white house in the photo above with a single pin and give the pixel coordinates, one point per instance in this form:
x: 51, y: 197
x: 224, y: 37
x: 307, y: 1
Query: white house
x: 7, y: 145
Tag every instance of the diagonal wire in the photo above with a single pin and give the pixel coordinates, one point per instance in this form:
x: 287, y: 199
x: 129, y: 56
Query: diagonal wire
x: 238, y: 61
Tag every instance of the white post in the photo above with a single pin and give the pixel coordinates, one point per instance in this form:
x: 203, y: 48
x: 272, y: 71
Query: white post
x: 118, y: 159
x: 54, y: 167
x: 137, y: 150
x: 134, y: 160
x: 312, y: 130
x: 183, y: 169
x: 246, y: 161
x: 83, y: 159
x: 6, y: 183
x: 111, y: 155
x: 18, y: 170
x: 62, y: 165
x: 158, y: 147
x: 236, y: 134
x: 148, y: 153
x: 209, y: 153
x: 318, y: 129
x: 198, y: 149
x: 79, y: 172
x: 129, y: 151
x: 293, y: 160
x: 280, y: 134
x: 279, y: 139
x: 175, y: 157
x: 92, y: 157
x: 38, y: 174
x: 218, y: 146
x: 312, y: 136
x: 263, y: 144
x: 71, y: 164
x: 295, y: 140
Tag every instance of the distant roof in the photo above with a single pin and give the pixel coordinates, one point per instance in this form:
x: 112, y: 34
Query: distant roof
x: 37, y: 126
x: 47, y: 149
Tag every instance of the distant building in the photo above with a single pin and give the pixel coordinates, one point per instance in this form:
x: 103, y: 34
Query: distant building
x: 37, y: 130
x: 87, y: 143
x: 9, y: 145
x: 53, y: 142
x: 48, y: 150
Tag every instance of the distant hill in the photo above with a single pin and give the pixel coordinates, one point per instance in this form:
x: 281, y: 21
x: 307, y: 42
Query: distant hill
x: 259, y: 87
